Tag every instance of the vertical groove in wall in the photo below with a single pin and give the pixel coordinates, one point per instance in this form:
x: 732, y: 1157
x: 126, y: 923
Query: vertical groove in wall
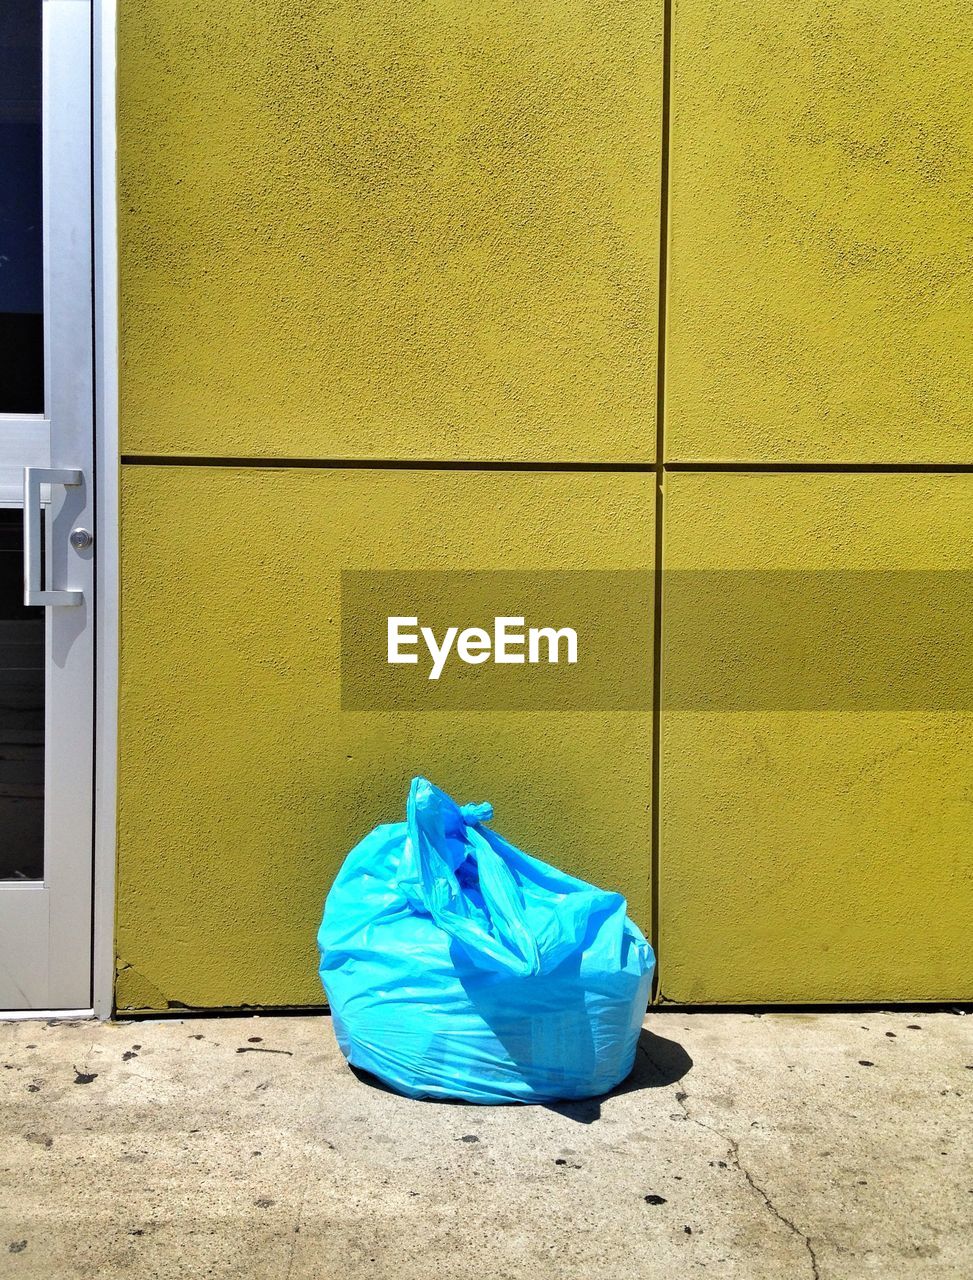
x: 659, y: 478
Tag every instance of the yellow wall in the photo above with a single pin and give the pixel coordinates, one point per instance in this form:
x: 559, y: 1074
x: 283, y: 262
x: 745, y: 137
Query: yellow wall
x: 363, y: 230
x: 814, y: 855
x: 820, y: 291
x: 819, y: 311
x: 242, y: 782
x: 430, y: 232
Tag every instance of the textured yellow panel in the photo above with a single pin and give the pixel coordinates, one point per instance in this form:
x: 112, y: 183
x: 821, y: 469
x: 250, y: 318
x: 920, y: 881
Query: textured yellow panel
x: 821, y: 219
x: 242, y: 785
x: 426, y: 230
x: 827, y: 855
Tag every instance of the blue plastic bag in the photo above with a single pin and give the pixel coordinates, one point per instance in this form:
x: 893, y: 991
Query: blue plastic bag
x: 457, y: 966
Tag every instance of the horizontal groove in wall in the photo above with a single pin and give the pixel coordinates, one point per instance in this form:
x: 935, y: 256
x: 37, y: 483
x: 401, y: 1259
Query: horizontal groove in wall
x: 400, y: 464
x: 183, y: 1011
x: 957, y: 1008
x: 860, y: 468
x: 375, y: 464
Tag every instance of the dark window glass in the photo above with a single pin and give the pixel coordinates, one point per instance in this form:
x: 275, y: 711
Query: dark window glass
x: 21, y: 712
x: 21, y: 247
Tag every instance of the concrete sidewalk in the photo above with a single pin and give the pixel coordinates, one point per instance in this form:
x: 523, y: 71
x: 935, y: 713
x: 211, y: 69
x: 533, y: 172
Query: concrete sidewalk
x: 775, y: 1145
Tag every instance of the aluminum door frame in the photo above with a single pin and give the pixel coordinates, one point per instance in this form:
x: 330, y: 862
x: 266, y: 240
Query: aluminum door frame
x: 45, y: 943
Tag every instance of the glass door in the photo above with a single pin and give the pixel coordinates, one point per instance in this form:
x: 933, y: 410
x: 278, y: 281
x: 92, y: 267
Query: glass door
x: 46, y: 506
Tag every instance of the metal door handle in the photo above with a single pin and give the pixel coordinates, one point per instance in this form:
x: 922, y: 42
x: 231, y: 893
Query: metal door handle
x: 34, y: 477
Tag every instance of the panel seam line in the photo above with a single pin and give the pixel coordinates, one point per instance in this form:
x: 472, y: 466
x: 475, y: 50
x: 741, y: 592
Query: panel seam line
x: 660, y: 407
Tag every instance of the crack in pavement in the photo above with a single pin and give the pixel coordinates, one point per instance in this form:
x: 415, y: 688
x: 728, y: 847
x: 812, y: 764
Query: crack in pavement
x: 733, y: 1151
x: 300, y: 1216
x: 792, y: 1226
